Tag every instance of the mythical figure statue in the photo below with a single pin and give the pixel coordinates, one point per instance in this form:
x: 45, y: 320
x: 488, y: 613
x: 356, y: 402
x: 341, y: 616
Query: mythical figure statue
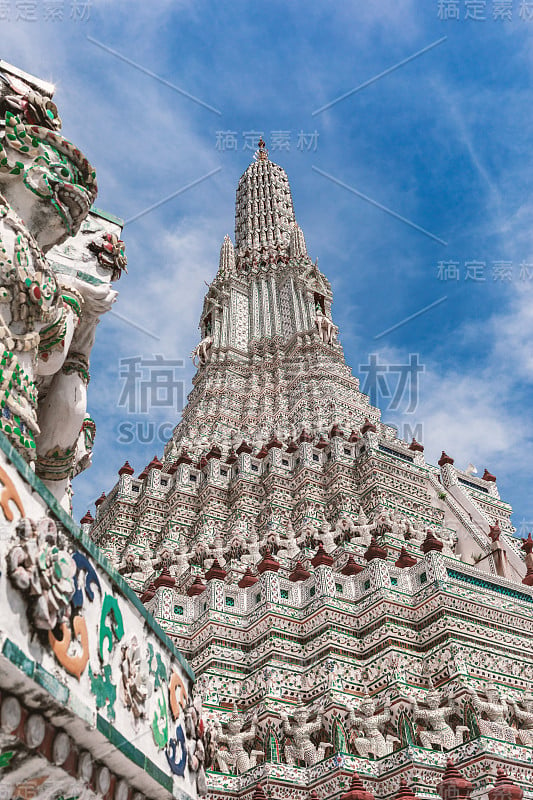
x: 309, y: 536
x: 217, y: 549
x: 416, y: 531
x: 253, y: 545
x: 236, y: 759
x: 449, y: 540
x: 438, y: 732
x: 524, y: 718
x: 271, y: 539
x: 181, y: 559
x: 47, y: 320
x: 326, y: 535
x: 289, y: 547
x: 383, y: 524
x: 199, y: 554
x: 236, y: 548
x: 344, y: 528
x: 494, y: 709
x: 363, y: 528
x: 237, y: 540
x: 367, y: 729
x: 326, y: 329
x: 138, y: 566
x: 200, y: 354
x: 301, y: 749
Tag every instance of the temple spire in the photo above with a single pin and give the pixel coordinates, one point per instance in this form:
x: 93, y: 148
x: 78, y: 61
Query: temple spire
x: 261, y: 154
x: 226, y: 264
x: 264, y: 213
x: 298, y: 248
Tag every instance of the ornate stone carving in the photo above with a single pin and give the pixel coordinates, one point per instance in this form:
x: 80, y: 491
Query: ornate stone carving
x: 40, y: 566
x: 200, y: 354
x: 110, y: 253
x: 35, y: 107
x: 196, y: 742
x: 135, y: 678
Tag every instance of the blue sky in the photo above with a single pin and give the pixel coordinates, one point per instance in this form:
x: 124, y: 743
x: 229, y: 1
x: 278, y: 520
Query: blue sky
x: 443, y: 140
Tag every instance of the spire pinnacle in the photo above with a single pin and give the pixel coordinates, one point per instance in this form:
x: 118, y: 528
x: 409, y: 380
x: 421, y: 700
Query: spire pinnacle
x: 264, y: 213
x: 227, y: 257
x: 261, y: 154
x: 297, y: 247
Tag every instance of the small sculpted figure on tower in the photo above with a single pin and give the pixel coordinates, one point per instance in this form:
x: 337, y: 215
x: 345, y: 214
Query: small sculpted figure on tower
x: 448, y: 539
x: 524, y: 717
x: 367, y: 729
x: 289, y: 547
x: 438, y: 732
x: 309, y: 536
x: 236, y: 539
x: 383, y: 524
x: 236, y: 759
x: 301, y: 749
x: 217, y: 549
x: 494, y: 709
x: 135, y: 565
x: 327, y: 330
x: 200, y: 354
x: 326, y: 535
x: 344, y: 528
x: 181, y: 559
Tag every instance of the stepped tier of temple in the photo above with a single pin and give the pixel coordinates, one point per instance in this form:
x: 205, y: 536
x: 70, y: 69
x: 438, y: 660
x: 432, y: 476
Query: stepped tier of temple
x: 346, y: 606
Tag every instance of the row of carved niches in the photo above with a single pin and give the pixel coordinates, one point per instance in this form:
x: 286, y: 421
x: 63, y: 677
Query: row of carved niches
x: 303, y: 732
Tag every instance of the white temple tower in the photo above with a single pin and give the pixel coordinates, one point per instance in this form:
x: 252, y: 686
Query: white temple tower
x: 346, y: 606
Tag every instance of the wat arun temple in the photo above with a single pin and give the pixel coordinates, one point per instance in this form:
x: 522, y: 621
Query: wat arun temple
x: 327, y: 616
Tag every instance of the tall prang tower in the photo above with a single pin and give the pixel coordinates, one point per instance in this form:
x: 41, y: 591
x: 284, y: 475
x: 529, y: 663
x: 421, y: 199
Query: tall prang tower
x: 273, y: 365
x: 346, y: 606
